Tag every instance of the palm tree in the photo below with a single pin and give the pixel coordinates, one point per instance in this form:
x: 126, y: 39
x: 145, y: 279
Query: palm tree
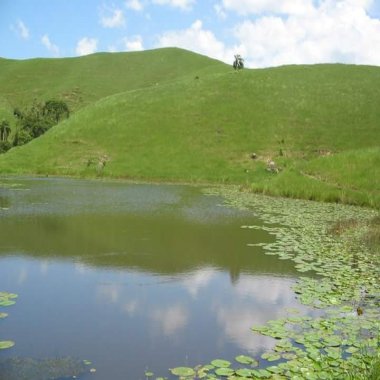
x: 238, y: 62
x: 5, y: 130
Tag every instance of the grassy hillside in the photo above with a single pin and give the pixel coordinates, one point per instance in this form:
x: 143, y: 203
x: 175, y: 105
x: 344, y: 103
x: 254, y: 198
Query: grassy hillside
x: 320, y: 124
x: 82, y: 80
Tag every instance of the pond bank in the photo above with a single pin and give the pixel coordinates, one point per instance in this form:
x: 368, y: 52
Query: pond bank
x: 344, y: 341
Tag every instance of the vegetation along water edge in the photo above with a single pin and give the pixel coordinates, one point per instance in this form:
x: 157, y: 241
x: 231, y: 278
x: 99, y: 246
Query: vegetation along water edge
x: 340, y: 245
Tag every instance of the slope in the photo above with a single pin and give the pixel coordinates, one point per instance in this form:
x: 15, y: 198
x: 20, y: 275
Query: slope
x: 82, y: 80
x: 306, y: 118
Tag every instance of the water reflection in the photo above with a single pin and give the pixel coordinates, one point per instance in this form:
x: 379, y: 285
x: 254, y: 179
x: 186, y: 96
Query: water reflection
x: 195, y: 281
x: 169, y: 321
x: 135, y: 276
x: 257, y: 299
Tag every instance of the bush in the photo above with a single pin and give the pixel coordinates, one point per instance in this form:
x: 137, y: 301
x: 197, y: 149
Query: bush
x: 22, y: 137
x: 5, y: 146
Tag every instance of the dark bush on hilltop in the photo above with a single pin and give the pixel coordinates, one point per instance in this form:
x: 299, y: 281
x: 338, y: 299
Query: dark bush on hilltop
x: 55, y: 110
x: 37, y: 119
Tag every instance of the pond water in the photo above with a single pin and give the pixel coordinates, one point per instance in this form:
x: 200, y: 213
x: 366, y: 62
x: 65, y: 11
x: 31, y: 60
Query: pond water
x: 134, y: 276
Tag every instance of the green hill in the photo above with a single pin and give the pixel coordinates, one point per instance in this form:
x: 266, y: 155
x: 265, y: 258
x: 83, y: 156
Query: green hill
x: 82, y: 80
x: 173, y: 115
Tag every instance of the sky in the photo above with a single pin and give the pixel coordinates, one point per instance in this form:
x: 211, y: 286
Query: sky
x: 265, y: 33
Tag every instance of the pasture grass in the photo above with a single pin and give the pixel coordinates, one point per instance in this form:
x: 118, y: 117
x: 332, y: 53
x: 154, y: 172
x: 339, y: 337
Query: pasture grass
x: 172, y: 115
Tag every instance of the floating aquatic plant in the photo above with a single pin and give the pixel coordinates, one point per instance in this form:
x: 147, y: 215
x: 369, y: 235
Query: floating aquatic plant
x: 344, y: 286
x: 44, y: 369
x: 6, y: 299
x: 183, y: 371
x: 6, y: 344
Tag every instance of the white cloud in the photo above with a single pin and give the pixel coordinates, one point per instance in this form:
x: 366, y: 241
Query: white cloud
x: 245, y: 7
x: 86, y: 46
x: 21, y: 30
x: 182, y: 4
x: 111, y: 18
x: 219, y: 10
x: 332, y: 32
x: 278, y: 32
x: 135, y: 5
x: 134, y: 43
x: 196, y: 39
x: 53, y: 49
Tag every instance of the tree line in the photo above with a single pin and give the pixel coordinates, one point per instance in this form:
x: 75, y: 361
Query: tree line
x: 32, y: 122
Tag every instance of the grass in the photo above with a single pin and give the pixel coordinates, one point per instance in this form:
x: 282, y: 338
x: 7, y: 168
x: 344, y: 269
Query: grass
x: 172, y: 115
x: 372, y: 237
x: 80, y: 81
x: 371, y: 372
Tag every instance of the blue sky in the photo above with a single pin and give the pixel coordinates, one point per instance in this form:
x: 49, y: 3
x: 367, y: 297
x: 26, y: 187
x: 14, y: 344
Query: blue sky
x: 265, y: 32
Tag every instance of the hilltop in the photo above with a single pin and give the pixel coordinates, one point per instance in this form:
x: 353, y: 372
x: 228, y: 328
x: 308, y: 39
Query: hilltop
x: 80, y: 81
x: 173, y: 115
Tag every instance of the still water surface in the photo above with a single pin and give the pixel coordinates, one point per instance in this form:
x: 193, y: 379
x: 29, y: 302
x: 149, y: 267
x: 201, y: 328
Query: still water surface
x: 134, y: 276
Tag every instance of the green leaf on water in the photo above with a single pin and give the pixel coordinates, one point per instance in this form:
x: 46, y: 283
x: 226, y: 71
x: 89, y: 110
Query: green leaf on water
x: 244, y: 372
x: 274, y: 369
x: 6, y: 344
x: 224, y: 371
x: 12, y: 295
x: 352, y: 350
x: 6, y: 302
x: 270, y: 356
x: 289, y: 356
x: 220, y: 363
x: 182, y: 371
x: 243, y: 359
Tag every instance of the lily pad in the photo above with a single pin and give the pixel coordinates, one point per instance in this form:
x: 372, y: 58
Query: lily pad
x: 243, y: 359
x: 244, y: 372
x: 6, y: 302
x: 6, y: 344
x: 182, y: 371
x: 224, y: 371
x: 271, y: 356
x: 220, y: 363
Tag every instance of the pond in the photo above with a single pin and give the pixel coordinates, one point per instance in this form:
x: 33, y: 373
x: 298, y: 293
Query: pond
x: 135, y: 277
x: 120, y: 280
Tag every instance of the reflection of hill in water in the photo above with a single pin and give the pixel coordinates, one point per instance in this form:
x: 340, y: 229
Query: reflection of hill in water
x: 158, y: 245
x: 159, y: 229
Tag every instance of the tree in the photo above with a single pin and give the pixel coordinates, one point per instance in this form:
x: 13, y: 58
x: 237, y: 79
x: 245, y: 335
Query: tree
x: 37, y: 119
x: 5, y: 130
x: 22, y: 137
x: 55, y: 110
x: 238, y: 62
